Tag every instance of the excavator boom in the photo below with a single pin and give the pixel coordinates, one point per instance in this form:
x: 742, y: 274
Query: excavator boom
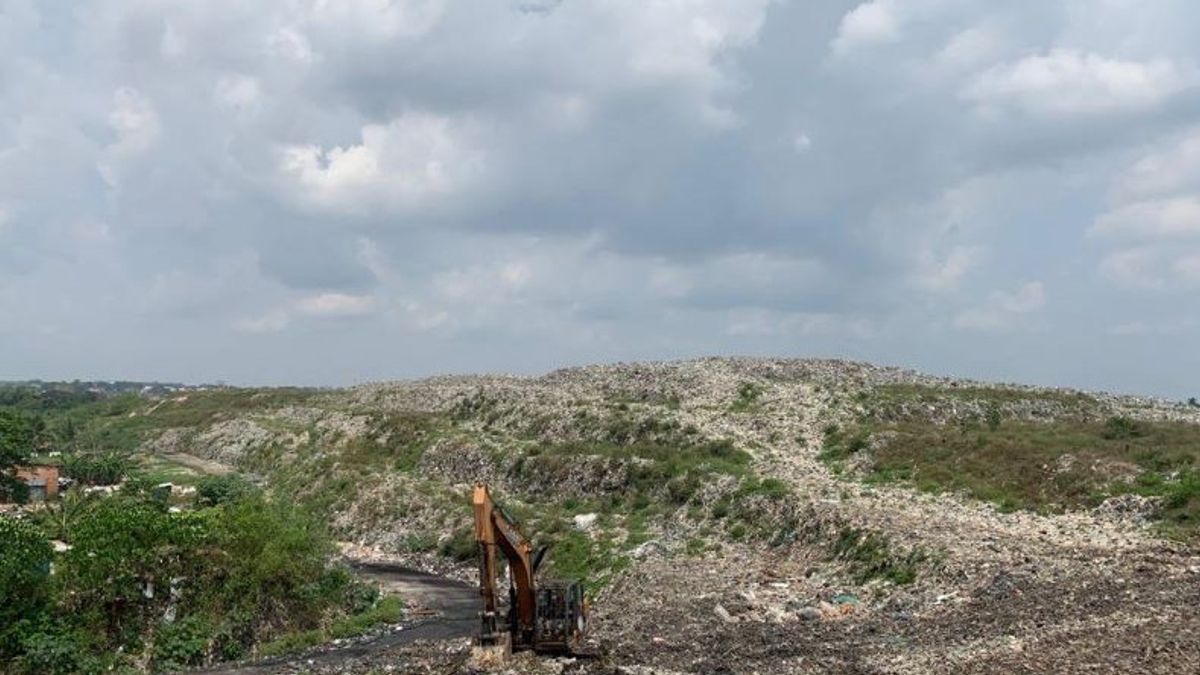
x: 548, y: 617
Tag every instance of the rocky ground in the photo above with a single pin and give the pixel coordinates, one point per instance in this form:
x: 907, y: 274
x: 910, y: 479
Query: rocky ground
x: 1020, y: 592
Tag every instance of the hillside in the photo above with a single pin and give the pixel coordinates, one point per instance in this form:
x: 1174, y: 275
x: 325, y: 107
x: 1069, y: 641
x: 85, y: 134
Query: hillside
x: 753, y: 514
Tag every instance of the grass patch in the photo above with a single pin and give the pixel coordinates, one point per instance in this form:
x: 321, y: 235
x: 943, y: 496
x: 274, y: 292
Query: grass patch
x: 387, y: 610
x: 920, y: 393
x: 1070, y: 462
x: 156, y: 470
x: 657, y: 475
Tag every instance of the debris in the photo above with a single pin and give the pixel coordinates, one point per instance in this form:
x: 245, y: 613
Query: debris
x: 585, y: 521
x: 652, y: 547
x: 723, y: 614
x: 808, y: 614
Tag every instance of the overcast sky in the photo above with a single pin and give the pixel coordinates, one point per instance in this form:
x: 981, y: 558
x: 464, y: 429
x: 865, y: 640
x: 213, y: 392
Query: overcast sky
x: 332, y: 191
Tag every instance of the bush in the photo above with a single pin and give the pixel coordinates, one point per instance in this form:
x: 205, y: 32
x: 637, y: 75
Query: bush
x: 51, y: 647
x: 747, y: 397
x: 230, y: 576
x: 180, y: 644
x: 24, y: 571
x: 107, y: 468
x: 214, y: 490
x: 1121, y: 428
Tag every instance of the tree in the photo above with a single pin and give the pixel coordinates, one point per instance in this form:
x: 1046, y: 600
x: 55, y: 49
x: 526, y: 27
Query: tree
x: 16, y: 446
x: 24, y: 568
x: 1193, y: 402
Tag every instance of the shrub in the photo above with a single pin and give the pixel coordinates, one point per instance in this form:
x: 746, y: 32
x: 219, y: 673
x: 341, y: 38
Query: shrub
x: 870, y: 556
x: 1121, y: 428
x: 24, y: 570
x: 180, y: 644
x: 232, y: 575
x: 107, y: 468
x: 747, y: 397
x: 993, y: 417
x: 214, y: 490
x: 52, y: 647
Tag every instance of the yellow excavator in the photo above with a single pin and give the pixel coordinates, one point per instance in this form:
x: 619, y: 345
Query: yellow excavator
x: 546, y: 616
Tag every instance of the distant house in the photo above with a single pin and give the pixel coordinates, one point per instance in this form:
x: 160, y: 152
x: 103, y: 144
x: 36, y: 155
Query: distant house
x: 42, y: 480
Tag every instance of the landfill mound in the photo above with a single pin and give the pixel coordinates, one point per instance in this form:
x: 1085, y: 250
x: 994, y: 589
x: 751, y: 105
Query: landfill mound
x: 757, y: 515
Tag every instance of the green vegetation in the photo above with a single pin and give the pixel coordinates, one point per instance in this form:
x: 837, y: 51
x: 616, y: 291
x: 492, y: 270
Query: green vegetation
x: 104, y: 468
x: 17, y: 434
x: 747, y: 398
x: 1072, y: 460
x: 142, y: 584
x: 387, y: 610
x: 157, y: 469
x: 214, y: 490
x: 871, y: 555
x: 24, y: 567
x: 889, y: 395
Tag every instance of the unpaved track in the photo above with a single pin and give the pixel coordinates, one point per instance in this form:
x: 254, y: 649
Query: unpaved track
x: 453, y: 606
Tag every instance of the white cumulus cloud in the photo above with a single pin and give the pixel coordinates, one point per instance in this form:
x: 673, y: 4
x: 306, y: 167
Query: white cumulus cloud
x: 1164, y: 218
x: 1069, y: 82
x: 332, y: 305
x: 869, y: 23
x: 412, y: 161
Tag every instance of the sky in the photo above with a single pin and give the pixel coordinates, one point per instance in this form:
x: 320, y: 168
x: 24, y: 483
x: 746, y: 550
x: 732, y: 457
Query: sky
x: 324, y: 192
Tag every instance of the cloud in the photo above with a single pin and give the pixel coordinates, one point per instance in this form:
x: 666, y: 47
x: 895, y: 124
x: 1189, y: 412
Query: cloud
x: 1187, y: 267
x: 271, y: 322
x: 239, y: 93
x: 1154, y: 219
x: 316, y: 307
x: 413, y: 161
x: 512, y: 185
x: 869, y: 23
x: 1135, y: 268
x: 1003, y: 309
x: 1141, y: 329
x: 334, y: 305
x: 1068, y: 82
x: 1153, y: 268
x: 1165, y: 218
x: 377, y: 19
x: 135, y: 122
x: 946, y: 273
x: 1170, y: 169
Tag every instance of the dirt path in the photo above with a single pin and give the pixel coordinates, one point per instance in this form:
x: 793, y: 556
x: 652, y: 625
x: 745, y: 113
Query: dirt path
x: 204, y: 466
x: 452, y: 608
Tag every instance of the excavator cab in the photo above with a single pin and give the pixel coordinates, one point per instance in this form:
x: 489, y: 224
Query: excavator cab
x: 544, y: 615
x: 560, y: 617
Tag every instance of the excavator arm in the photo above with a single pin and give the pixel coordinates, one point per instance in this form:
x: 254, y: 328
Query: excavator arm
x: 497, y: 535
x: 548, y: 616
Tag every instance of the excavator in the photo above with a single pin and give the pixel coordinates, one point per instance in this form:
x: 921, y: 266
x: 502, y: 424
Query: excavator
x: 545, y: 616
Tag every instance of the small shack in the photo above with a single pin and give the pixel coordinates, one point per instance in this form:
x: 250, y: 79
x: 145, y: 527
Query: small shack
x: 42, y: 480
